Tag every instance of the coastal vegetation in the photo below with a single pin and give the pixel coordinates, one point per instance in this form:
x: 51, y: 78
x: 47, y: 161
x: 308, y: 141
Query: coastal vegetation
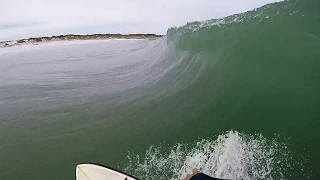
x: 70, y: 37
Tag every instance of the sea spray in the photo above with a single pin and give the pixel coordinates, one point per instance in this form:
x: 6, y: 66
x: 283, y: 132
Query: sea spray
x: 232, y: 155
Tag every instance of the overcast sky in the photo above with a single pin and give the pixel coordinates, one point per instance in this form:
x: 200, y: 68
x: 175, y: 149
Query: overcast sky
x: 33, y: 18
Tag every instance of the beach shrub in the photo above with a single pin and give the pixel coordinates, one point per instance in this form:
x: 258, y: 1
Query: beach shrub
x: 38, y: 39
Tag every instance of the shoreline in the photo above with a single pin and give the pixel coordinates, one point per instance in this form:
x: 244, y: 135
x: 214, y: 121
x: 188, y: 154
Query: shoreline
x: 74, y: 37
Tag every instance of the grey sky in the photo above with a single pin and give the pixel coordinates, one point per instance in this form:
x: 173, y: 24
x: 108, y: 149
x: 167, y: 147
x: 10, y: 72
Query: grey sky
x: 31, y: 18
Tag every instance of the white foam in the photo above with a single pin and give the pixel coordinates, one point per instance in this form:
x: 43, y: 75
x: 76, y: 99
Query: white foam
x: 231, y: 156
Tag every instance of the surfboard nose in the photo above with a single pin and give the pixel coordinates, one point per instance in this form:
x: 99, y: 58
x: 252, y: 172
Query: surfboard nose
x: 95, y: 172
x: 81, y: 172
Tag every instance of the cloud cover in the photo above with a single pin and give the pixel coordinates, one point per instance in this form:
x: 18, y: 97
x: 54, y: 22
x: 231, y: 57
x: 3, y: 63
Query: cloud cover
x: 32, y: 18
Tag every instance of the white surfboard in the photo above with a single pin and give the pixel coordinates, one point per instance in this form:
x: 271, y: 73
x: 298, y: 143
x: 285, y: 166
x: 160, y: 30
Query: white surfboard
x: 95, y: 172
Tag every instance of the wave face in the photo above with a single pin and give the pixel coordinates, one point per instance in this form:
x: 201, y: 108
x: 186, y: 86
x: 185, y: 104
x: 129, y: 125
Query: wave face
x: 256, y: 70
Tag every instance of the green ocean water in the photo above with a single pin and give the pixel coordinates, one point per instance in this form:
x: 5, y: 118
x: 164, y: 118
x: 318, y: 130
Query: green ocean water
x: 236, y: 97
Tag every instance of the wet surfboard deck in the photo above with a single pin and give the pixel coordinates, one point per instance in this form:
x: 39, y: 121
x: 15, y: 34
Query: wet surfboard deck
x: 97, y: 172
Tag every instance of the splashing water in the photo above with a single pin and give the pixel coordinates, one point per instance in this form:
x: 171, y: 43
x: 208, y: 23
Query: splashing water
x: 232, y: 155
